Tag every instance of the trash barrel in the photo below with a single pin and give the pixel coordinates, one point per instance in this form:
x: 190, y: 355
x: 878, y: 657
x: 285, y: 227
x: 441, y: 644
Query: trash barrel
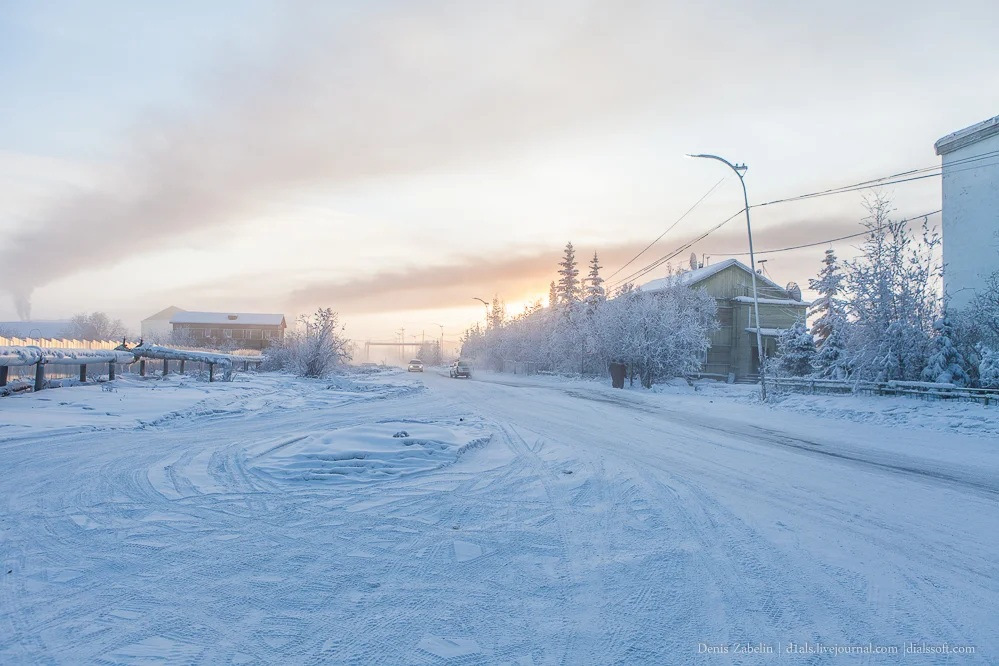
x: 618, y: 371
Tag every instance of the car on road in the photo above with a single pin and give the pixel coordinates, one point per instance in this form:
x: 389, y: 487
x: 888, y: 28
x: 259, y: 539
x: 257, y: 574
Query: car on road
x: 460, y: 369
x: 416, y: 365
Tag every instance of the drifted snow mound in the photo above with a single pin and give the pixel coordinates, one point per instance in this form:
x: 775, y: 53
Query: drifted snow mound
x: 366, y: 453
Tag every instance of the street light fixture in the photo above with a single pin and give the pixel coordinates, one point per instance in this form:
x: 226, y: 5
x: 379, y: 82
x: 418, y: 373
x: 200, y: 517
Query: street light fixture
x: 485, y: 303
x: 740, y: 171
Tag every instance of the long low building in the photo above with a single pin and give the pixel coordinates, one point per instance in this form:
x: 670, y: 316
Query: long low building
x: 246, y: 330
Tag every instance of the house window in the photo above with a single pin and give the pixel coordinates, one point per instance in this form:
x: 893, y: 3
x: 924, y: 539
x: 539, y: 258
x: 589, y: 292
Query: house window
x: 227, y: 332
x: 255, y: 334
x: 268, y: 334
x: 208, y: 332
x: 237, y: 334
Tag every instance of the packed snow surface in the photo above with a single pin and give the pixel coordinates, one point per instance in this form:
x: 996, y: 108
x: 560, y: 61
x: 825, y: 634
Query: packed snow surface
x: 364, y: 453
x: 512, y: 521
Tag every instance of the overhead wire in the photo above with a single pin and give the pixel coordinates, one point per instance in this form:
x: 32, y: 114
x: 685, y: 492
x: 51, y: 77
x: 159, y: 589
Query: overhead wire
x: 670, y: 227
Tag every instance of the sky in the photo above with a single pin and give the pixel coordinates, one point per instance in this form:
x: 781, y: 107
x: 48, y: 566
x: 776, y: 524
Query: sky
x: 395, y: 161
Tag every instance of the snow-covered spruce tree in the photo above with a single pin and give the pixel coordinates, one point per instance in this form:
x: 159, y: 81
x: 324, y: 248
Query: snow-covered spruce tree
x: 828, y: 307
x: 832, y: 360
x: 795, y: 352
x: 595, y: 292
x: 316, y: 350
x: 552, y: 295
x: 568, y: 283
x: 988, y: 368
x: 893, y: 296
x: 946, y: 365
x: 497, y: 313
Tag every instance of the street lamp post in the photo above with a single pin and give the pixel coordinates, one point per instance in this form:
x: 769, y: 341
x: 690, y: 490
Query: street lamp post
x: 740, y: 171
x: 485, y: 303
x: 441, y: 348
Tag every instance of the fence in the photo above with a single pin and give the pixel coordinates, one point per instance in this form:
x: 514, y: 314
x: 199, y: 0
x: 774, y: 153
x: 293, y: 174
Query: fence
x: 922, y: 390
x: 58, y: 343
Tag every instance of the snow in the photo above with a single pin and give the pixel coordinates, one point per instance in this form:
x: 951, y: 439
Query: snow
x: 558, y: 521
x: 365, y: 453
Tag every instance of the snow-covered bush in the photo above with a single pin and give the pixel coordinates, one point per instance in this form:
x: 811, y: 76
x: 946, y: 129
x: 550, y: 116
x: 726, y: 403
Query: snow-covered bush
x: 988, y: 368
x: 946, y: 365
x: 317, y: 350
x: 795, y: 352
x: 832, y: 360
x: 663, y: 334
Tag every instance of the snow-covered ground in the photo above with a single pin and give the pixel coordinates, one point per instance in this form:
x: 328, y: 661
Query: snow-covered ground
x: 394, y: 518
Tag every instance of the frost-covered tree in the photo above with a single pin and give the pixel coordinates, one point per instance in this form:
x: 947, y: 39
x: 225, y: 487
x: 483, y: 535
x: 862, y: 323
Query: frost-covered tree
x: 893, y: 296
x: 828, y: 307
x: 552, y: 295
x: 568, y: 282
x: 95, y: 326
x: 662, y: 333
x: 497, y: 313
x: 795, y: 352
x: 988, y: 368
x: 832, y: 359
x: 946, y: 365
x: 316, y: 350
x: 595, y: 292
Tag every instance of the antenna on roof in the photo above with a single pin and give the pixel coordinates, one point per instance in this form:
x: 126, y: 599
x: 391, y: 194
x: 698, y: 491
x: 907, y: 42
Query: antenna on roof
x: 693, y: 261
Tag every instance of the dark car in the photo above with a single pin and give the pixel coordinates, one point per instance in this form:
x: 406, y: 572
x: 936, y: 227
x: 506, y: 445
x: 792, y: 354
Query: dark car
x: 460, y: 369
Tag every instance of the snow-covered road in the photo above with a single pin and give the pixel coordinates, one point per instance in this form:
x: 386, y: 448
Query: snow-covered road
x: 568, y: 523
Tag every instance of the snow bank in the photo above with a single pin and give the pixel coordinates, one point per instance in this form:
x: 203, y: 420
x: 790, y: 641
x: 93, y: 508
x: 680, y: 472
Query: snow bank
x: 367, y: 453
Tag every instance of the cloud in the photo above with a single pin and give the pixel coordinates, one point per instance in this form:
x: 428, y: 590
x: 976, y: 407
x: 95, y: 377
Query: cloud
x: 443, y: 286
x: 346, y: 97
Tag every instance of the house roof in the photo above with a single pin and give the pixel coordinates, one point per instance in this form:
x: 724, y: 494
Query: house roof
x: 165, y: 314
x: 232, y: 318
x: 967, y: 136
x: 699, y: 275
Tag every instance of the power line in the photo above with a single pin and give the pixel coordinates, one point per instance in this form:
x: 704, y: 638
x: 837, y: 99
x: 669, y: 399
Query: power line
x: 660, y: 261
x: 670, y: 227
x: 915, y: 174
x: 911, y: 175
x: 822, y: 242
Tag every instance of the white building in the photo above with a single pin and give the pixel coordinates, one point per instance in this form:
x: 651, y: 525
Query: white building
x: 157, y: 328
x: 970, y: 208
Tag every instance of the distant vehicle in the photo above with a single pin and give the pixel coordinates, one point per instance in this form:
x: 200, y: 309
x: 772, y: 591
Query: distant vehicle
x: 460, y: 369
x: 416, y: 365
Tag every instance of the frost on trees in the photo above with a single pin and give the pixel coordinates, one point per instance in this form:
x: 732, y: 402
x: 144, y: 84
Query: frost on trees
x: 827, y: 308
x: 595, y: 292
x: 795, y: 352
x: 946, y: 365
x: 831, y: 360
x: 988, y: 368
x: 894, y: 296
x: 568, y: 282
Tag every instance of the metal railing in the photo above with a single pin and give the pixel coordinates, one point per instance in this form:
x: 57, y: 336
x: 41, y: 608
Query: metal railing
x: 922, y: 390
